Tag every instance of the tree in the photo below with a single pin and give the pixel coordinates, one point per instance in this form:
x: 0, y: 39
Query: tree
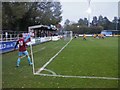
x: 67, y: 22
x: 100, y: 21
x: 106, y: 23
x: 20, y: 15
x: 56, y: 13
x: 0, y: 16
x: 86, y: 21
x: 94, y: 21
x: 115, y: 23
x: 6, y: 15
x: 12, y: 13
x: 83, y: 22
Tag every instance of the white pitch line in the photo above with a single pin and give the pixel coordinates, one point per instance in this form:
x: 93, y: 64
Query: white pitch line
x: 50, y: 60
x: 50, y: 71
x: 82, y: 77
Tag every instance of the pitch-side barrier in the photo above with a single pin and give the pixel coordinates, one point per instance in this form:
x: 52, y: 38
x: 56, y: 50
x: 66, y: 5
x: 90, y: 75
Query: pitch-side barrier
x: 7, y: 46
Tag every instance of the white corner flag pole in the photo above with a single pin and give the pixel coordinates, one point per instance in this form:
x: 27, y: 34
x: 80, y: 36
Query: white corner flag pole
x: 33, y: 67
x: 32, y: 58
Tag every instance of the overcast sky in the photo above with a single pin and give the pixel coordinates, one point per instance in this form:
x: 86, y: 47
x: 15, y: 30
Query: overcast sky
x: 75, y: 9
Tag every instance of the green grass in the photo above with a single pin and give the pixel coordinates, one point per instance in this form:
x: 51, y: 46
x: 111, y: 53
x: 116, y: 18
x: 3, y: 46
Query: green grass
x: 93, y: 57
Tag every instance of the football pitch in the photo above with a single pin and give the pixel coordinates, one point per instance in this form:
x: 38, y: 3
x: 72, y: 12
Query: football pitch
x: 91, y: 63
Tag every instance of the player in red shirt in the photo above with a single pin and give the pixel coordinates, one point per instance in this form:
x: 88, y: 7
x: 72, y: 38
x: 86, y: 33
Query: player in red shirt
x: 22, y: 50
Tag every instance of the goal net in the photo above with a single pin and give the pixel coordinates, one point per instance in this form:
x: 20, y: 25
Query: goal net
x: 47, y: 48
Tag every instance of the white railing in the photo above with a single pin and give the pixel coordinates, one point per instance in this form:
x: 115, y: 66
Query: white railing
x: 9, y: 37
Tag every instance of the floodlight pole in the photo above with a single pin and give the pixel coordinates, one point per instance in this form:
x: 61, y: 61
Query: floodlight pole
x: 88, y: 20
x: 89, y: 12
